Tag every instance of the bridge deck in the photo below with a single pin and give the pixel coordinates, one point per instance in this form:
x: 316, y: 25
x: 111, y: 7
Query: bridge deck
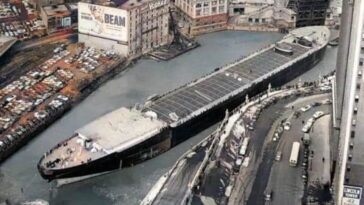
x: 188, y: 99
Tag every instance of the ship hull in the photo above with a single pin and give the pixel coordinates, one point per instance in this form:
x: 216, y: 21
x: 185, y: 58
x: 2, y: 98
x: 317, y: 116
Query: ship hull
x: 173, y: 136
x: 143, y: 151
x: 216, y: 114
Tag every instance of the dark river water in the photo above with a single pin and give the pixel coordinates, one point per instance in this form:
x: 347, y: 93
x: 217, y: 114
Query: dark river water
x: 20, y: 178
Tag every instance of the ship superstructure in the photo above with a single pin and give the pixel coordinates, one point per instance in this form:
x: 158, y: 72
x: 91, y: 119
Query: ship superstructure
x: 126, y: 136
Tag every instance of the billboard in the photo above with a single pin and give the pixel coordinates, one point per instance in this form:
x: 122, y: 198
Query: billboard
x: 351, y: 195
x: 102, y: 21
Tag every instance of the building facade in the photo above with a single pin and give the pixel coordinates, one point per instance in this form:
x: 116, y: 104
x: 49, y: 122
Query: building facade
x: 333, y: 14
x: 56, y: 17
x: 41, y: 3
x: 203, y: 16
x: 149, y: 25
x: 349, y: 106
x: 309, y: 12
x: 261, y: 15
x: 131, y: 29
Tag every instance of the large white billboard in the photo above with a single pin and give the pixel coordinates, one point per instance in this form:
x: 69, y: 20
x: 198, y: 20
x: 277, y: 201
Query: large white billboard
x: 102, y: 21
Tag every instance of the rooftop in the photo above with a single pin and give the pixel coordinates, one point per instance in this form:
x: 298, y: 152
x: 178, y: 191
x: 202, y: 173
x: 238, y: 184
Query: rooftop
x: 56, y: 10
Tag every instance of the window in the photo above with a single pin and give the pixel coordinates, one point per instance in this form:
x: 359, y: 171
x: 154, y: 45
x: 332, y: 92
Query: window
x: 221, y: 9
x: 221, y: 1
x: 198, y: 12
x: 214, y: 3
x: 350, y: 157
x: 198, y: 5
x: 213, y: 10
x: 351, y: 146
x: 205, y: 4
x: 206, y: 11
x: 257, y: 20
x: 361, y: 61
x: 263, y: 20
x: 250, y: 20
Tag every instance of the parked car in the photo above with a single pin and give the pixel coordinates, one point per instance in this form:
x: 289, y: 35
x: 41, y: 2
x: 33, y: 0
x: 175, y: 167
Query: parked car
x: 318, y: 114
x: 306, y: 108
x: 268, y: 195
x: 278, y: 156
x: 287, y: 125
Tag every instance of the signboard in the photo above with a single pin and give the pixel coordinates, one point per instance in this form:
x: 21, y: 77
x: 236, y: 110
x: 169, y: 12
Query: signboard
x: 102, y: 21
x: 351, y: 195
x: 155, y: 4
x: 66, y: 21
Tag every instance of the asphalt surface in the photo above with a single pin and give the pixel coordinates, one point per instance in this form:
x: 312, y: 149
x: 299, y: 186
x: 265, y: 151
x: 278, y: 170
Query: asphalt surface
x: 286, y: 181
x: 176, y: 186
x: 263, y: 125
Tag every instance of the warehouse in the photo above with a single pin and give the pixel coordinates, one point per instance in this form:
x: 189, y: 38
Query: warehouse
x: 133, y: 28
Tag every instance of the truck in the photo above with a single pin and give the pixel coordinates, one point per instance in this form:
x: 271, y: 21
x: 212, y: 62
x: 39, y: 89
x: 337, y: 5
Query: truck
x: 244, y: 146
x: 293, y: 159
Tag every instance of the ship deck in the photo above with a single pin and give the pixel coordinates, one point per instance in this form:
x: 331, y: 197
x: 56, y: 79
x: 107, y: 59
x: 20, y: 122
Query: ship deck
x: 121, y: 127
x: 185, y: 101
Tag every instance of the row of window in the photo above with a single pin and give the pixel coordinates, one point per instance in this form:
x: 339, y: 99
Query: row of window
x: 355, y: 112
x: 206, y: 11
x: 206, y: 4
x: 257, y: 20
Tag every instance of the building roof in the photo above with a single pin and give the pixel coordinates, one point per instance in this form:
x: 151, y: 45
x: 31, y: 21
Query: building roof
x: 56, y: 10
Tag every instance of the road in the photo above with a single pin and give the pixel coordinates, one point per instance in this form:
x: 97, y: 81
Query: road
x: 286, y: 181
x: 264, y: 159
x: 177, y: 185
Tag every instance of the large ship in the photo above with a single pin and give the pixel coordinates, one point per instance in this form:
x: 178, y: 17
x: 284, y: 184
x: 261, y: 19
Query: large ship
x: 127, y: 136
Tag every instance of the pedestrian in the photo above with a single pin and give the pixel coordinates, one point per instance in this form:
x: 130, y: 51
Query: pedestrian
x: 323, y: 159
x: 303, y: 122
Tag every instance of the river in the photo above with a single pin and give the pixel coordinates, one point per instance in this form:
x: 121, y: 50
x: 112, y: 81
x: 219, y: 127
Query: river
x: 146, y: 77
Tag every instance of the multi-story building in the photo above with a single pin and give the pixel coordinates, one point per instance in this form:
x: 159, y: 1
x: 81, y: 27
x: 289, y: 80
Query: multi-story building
x: 132, y: 28
x: 349, y: 106
x: 41, y: 3
x: 57, y: 17
x: 333, y: 14
x: 309, y: 12
x: 243, y: 7
x: 261, y: 15
x: 203, y: 16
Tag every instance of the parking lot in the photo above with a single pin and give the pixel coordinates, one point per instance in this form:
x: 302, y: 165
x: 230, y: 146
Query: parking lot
x: 35, y: 97
x: 18, y: 19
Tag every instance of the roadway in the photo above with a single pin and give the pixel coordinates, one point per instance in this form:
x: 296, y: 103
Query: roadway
x: 286, y: 181
x: 177, y: 185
